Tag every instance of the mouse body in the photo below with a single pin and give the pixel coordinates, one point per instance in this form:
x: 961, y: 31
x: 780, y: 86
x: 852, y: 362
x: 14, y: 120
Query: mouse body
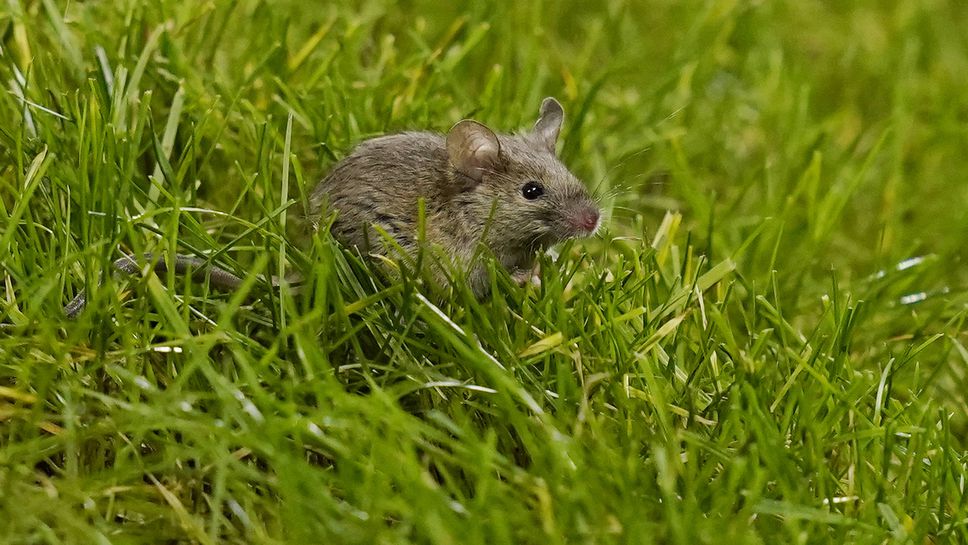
x: 508, y: 193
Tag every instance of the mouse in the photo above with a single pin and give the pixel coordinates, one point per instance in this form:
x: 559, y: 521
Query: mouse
x: 509, y: 193
x: 475, y: 189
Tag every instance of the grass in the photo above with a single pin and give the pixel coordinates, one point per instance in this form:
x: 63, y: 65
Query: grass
x: 766, y: 346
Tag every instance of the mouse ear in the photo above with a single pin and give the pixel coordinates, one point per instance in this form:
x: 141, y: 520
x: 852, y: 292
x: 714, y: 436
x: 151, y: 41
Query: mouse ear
x: 549, y: 124
x: 472, y: 148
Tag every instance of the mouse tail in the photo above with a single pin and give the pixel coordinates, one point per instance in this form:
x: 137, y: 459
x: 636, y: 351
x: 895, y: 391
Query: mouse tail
x: 200, y: 269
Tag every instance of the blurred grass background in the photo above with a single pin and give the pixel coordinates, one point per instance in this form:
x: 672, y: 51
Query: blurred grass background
x: 782, y: 362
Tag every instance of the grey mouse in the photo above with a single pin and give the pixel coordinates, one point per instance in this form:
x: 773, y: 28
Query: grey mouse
x: 508, y: 193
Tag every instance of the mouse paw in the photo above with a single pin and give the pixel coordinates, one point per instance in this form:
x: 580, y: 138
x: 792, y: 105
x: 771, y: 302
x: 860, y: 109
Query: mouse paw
x: 523, y: 277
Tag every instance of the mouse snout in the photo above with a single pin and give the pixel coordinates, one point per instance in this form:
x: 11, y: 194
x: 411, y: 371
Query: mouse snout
x: 585, y: 219
x: 589, y: 219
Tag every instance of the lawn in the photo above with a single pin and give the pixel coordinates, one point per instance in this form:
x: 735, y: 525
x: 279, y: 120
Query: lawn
x: 765, y: 344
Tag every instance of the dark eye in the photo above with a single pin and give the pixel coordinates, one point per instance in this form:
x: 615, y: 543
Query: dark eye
x: 532, y: 190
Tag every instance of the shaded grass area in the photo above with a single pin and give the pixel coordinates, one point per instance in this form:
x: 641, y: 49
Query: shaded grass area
x: 780, y: 358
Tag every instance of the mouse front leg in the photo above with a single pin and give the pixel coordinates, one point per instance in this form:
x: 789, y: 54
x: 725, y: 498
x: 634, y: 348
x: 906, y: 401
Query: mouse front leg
x: 525, y: 276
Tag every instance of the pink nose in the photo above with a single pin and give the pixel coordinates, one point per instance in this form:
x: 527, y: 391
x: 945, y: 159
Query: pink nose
x: 587, y: 219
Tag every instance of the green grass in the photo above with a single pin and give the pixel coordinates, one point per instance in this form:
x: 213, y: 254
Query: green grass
x: 780, y: 359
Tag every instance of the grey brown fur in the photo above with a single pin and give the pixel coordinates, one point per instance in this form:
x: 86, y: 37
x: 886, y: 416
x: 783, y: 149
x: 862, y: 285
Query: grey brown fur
x: 471, y: 182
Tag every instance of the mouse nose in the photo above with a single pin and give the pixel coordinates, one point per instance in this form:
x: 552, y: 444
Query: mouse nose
x: 587, y: 219
x: 590, y: 220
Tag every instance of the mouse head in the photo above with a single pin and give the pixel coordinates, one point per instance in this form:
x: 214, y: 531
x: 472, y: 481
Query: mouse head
x: 518, y: 183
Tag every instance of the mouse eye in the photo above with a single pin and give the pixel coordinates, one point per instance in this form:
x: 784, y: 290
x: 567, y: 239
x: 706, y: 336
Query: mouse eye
x: 532, y: 190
